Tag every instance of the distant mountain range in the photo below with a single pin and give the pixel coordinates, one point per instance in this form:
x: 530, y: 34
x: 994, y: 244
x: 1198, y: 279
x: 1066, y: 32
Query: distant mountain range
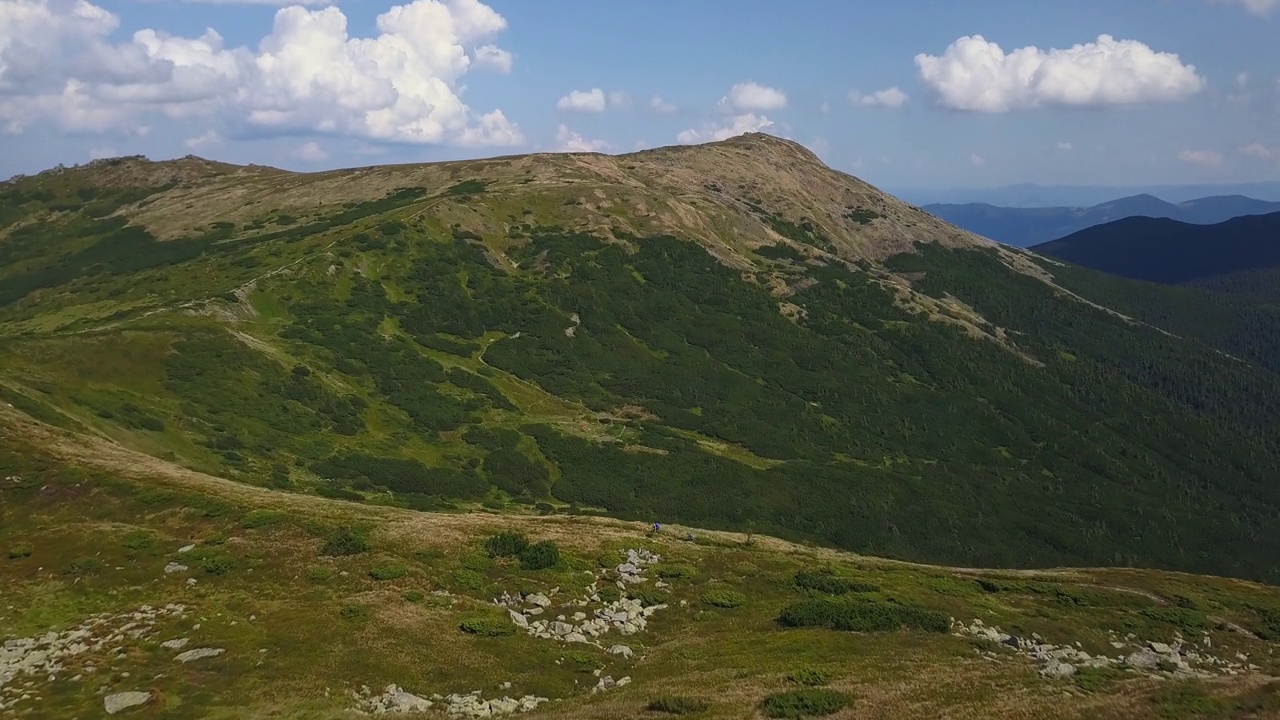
x: 1023, y: 227
x: 1028, y: 195
x: 1241, y: 255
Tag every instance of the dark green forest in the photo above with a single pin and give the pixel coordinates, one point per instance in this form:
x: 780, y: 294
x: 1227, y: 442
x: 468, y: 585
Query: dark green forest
x: 875, y: 429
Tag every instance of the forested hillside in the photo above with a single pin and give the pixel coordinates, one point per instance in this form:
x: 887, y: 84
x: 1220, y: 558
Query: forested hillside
x: 729, y: 335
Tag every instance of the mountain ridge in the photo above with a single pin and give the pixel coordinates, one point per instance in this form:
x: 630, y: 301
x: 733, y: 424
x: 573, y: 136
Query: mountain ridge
x: 732, y: 335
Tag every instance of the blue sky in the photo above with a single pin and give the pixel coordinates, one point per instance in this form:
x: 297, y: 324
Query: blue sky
x: 901, y: 94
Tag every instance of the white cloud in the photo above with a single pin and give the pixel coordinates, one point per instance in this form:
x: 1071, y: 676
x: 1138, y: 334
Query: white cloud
x: 582, y: 101
x: 658, y: 105
x: 1242, y: 79
x: 569, y: 141
x: 750, y: 96
x: 732, y: 127
x: 307, y: 76
x: 825, y: 107
x: 977, y: 159
x: 263, y: 2
x: 1261, y: 8
x: 976, y: 75
x: 1260, y: 151
x: 1204, y: 158
x: 619, y: 99
x: 311, y: 152
x: 210, y: 137
x: 1066, y: 146
x: 492, y: 56
x: 99, y: 153
x: 492, y: 129
x: 891, y: 97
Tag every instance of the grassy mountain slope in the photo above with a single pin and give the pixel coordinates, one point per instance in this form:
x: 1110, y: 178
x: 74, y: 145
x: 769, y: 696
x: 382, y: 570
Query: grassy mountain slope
x: 729, y: 335
x: 309, y: 599
x: 1024, y: 227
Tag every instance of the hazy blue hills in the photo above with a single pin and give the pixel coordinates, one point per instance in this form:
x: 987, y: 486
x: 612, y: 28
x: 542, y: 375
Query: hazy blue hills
x: 1023, y: 227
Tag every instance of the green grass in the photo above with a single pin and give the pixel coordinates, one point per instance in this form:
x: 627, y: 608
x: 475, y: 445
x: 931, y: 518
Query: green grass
x: 809, y: 702
x: 677, y: 705
x: 724, y: 598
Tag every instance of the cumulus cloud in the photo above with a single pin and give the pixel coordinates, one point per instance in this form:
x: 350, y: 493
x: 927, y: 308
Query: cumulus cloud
x: 619, y: 99
x: 976, y: 75
x: 1066, y: 146
x: 263, y: 2
x: 732, y: 127
x: 209, y: 137
x: 1260, y: 151
x: 308, y: 75
x: 750, y: 96
x: 311, y: 152
x: 1262, y: 8
x: 492, y: 56
x: 570, y: 141
x: 1203, y: 158
x: 977, y: 160
x: 582, y: 101
x: 891, y: 97
x: 658, y: 105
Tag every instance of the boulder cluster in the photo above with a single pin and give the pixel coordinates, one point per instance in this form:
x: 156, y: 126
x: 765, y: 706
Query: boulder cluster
x: 1178, y: 658
x: 393, y: 700
x: 590, y: 617
x: 27, y: 662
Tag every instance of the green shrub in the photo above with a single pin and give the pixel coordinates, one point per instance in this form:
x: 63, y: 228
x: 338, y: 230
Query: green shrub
x: 86, y: 566
x: 468, y: 579
x: 356, y: 613
x: 705, y: 615
x: 217, y: 564
x: 506, y: 544
x: 677, y: 705
x: 1189, y: 621
x: 1096, y: 679
x: 808, y: 702
x: 19, y: 552
x: 139, y: 540
x: 827, y: 582
x: 648, y: 596
x: 261, y: 518
x: 582, y: 662
x: 724, y: 598
x: 810, y: 677
x: 319, y: 574
x: 344, y: 541
x: 609, y: 594
x: 488, y: 626
x: 676, y: 572
x: 544, y: 508
x: 861, y: 616
x: 414, y: 596
x: 388, y: 572
x: 540, y: 555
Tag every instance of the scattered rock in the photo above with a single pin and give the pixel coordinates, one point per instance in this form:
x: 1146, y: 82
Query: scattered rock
x: 622, y: 650
x: 187, y: 548
x: 174, y: 567
x: 199, y: 654
x: 1058, y: 669
x: 175, y: 644
x: 125, y: 700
